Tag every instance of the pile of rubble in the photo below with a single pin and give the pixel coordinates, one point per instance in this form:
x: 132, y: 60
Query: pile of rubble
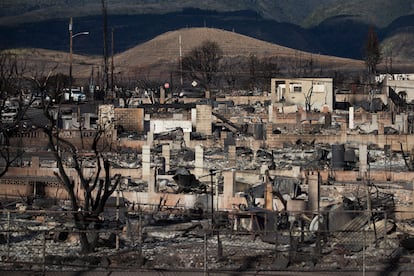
x: 176, y: 239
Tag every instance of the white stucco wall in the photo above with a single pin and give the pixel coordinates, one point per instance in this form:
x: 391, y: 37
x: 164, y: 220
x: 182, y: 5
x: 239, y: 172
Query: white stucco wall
x: 159, y: 126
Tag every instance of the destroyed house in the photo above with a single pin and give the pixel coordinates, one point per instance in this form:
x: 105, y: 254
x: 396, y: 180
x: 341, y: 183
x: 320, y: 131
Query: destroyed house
x: 313, y: 93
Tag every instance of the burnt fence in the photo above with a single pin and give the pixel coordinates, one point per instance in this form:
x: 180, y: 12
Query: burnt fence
x: 239, y: 241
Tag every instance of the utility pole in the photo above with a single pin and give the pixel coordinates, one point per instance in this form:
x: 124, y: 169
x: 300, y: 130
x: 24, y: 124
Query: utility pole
x: 112, y: 60
x: 71, y: 36
x: 105, y: 49
x: 181, y: 62
x: 70, y: 56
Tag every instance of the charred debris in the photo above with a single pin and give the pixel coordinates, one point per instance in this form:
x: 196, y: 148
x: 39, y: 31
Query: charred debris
x: 291, y: 196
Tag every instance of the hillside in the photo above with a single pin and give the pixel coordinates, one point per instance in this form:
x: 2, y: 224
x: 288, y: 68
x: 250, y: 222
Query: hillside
x: 304, y: 13
x: 329, y: 27
x: 396, y: 45
x: 25, y: 11
x: 379, y: 13
x: 166, y: 47
x: 158, y: 57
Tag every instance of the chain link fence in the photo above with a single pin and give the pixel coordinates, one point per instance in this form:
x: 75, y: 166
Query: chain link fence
x: 172, y: 240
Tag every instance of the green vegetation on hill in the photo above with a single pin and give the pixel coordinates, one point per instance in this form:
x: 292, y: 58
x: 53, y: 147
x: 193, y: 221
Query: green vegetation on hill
x: 376, y: 12
x: 333, y: 27
x: 299, y: 12
x: 397, y: 46
x: 305, y: 13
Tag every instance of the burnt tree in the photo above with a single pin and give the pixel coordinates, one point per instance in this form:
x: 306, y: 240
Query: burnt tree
x: 202, y: 63
x: 96, y: 188
x: 372, y: 54
x: 13, y: 108
x: 96, y: 184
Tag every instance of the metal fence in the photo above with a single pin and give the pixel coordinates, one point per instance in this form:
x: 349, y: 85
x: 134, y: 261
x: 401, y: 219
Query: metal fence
x: 167, y: 240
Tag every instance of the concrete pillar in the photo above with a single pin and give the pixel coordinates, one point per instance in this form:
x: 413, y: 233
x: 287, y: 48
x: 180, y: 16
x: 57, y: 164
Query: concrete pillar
x: 404, y: 118
x: 401, y: 122
x: 343, y: 128
x: 303, y: 115
x: 187, y: 137
x: 204, y: 119
x: 146, y: 167
x: 374, y: 121
x: 273, y: 92
x: 380, y: 129
x: 87, y: 120
x: 199, y: 161
x: 268, y: 195
x: 254, y: 155
x: 298, y: 117
x: 270, y: 119
x: 295, y: 171
x: 150, y: 137
x: 74, y: 118
x: 363, y: 159
x: 194, y: 117
x: 351, y: 118
x: 35, y: 162
x: 406, y: 124
x: 229, y: 185
x: 231, y: 155
x: 363, y: 117
x: 166, y: 155
x: 398, y: 123
x: 263, y: 169
x: 162, y: 95
x: 287, y: 88
x: 269, y: 131
x: 313, y: 192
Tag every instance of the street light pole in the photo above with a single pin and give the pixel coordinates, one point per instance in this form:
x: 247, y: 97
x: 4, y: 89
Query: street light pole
x: 71, y: 36
x: 70, y: 56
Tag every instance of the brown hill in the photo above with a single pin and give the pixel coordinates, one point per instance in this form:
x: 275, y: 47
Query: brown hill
x: 165, y: 49
x: 159, y: 57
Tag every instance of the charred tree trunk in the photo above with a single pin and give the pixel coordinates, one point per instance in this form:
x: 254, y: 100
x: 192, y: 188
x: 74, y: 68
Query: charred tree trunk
x: 97, y: 189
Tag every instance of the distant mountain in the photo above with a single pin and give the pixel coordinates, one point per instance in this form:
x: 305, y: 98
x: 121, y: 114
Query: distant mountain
x: 158, y: 58
x: 331, y: 27
x: 26, y: 11
x: 379, y: 13
x: 298, y: 12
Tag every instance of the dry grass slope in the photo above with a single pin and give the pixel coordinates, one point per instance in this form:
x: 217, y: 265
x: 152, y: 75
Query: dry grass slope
x: 166, y: 48
x: 163, y: 52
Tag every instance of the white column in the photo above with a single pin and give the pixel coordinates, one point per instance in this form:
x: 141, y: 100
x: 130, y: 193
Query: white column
x: 199, y: 160
x: 146, y: 167
x: 351, y: 118
x: 363, y: 159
